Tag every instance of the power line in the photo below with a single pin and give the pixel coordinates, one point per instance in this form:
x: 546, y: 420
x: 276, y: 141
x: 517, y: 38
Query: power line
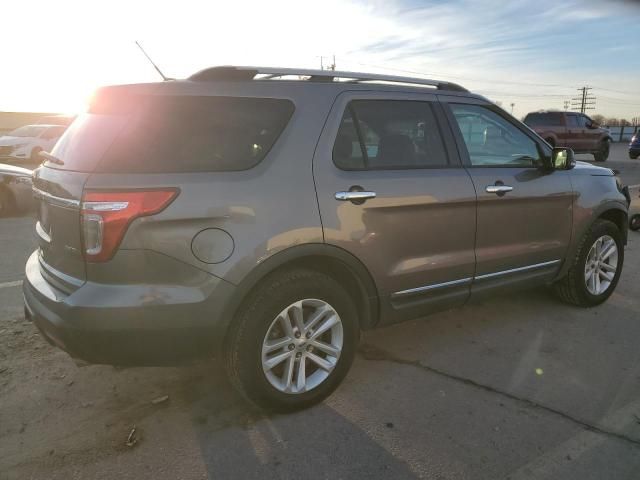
x: 585, y: 101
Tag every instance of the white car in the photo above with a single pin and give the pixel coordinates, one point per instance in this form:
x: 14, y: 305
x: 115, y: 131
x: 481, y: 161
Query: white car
x: 15, y: 190
x: 23, y: 145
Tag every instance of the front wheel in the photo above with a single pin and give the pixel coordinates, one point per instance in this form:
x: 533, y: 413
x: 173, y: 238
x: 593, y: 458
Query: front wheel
x: 293, y: 340
x: 603, y: 152
x: 595, y: 270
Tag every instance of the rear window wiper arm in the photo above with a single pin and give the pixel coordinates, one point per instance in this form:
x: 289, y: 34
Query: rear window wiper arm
x: 47, y: 156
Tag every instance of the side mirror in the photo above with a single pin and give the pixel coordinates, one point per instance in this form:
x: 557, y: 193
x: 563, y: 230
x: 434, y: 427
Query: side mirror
x: 562, y: 159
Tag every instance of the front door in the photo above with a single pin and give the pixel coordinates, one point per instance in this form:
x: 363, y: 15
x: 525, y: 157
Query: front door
x: 391, y: 193
x: 575, y: 132
x: 524, y: 212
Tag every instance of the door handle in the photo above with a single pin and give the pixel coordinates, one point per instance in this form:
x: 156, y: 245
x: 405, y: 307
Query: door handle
x: 498, y: 189
x: 355, y: 196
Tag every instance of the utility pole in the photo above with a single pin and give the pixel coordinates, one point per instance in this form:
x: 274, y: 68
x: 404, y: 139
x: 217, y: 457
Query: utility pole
x: 585, y: 101
x: 566, y: 104
x: 332, y: 66
x: 512, y: 105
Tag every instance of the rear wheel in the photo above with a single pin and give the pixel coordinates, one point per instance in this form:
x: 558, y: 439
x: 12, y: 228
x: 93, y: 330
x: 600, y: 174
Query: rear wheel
x: 634, y: 223
x: 595, y: 270
x: 293, y: 340
x: 633, y: 156
x: 603, y: 152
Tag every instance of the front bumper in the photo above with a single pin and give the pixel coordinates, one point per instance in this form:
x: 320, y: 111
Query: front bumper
x: 128, y: 324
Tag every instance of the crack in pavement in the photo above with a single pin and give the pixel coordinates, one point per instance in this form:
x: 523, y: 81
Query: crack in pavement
x: 372, y: 353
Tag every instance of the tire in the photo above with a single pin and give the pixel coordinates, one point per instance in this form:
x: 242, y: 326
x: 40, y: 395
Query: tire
x: 573, y: 287
x: 634, y: 223
x: 603, y: 152
x: 633, y: 157
x: 7, y: 203
x: 261, y: 313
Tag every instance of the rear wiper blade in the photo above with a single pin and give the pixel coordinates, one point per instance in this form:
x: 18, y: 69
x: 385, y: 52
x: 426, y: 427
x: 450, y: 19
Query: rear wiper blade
x: 47, y: 156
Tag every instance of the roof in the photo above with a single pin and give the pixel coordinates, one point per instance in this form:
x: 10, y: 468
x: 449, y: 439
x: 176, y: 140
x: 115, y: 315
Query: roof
x: 243, y: 73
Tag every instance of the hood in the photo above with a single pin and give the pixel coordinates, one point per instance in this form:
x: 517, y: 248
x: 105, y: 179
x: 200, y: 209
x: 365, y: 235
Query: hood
x: 12, y: 170
x: 586, y: 168
x: 8, y: 140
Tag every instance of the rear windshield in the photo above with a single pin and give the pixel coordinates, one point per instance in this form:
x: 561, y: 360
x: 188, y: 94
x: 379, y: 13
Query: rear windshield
x: 544, y: 120
x: 172, y: 134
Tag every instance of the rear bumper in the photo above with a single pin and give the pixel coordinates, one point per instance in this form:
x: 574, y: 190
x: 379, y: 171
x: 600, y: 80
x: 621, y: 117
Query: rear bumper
x: 128, y: 324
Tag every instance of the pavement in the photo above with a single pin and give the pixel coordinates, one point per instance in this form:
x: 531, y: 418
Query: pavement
x: 517, y: 387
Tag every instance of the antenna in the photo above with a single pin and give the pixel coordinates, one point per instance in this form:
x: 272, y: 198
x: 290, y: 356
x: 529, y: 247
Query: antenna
x: 154, y: 65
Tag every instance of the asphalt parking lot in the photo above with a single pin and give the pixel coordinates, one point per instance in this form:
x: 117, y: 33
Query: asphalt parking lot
x: 521, y: 387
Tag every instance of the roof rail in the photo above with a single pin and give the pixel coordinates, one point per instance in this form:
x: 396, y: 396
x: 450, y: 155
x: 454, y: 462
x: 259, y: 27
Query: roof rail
x: 233, y: 73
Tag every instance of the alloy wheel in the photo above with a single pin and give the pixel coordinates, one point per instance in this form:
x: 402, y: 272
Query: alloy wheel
x: 302, y: 346
x: 601, y: 265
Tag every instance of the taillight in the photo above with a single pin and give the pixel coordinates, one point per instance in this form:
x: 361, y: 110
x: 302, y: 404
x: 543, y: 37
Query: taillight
x: 106, y: 215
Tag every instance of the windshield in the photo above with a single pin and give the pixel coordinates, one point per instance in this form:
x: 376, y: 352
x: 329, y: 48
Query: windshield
x: 27, y: 131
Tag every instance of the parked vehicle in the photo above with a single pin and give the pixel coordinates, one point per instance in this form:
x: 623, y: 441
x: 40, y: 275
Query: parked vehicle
x: 573, y: 130
x: 15, y: 190
x: 64, y: 120
x: 23, y: 145
x: 267, y: 216
x: 634, y: 146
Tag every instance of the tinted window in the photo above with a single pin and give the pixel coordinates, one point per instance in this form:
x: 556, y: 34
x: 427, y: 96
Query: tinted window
x: 544, y: 119
x: 155, y: 134
x: 583, y: 121
x: 491, y: 140
x: 572, y: 121
x: 385, y: 134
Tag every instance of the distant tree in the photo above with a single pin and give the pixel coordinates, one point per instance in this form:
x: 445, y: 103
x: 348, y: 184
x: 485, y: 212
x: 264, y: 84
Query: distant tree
x: 599, y: 119
x: 612, y: 122
x: 624, y: 122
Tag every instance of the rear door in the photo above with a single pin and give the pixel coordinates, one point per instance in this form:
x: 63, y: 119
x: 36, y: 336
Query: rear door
x: 392, y: 192
x: 575, y: 132
x: 524, y: 212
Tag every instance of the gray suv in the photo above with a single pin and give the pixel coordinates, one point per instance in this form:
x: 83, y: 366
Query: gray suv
x: 268, y: 216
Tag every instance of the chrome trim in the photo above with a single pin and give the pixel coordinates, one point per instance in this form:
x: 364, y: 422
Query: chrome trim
x: 498, y: 188
x: 431, y: 287
x: 54, y: 200
x: 104, y: 206
x: 462, y: 281
x: 351, y: 196
x: 40, y: 231
x: 515, y: 270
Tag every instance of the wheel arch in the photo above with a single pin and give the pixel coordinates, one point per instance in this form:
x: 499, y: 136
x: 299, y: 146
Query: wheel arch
x: 336, y: 262
x: 612, y: 211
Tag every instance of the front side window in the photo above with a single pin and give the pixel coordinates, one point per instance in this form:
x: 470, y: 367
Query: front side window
x: 491, y: 140
x: 388, y: 134
x: 572, y: 121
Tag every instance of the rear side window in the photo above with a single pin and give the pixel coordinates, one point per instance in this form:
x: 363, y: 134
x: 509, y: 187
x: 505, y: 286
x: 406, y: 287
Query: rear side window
x: 173, y: 134
x: 388, y: 134
x: 544, y: 119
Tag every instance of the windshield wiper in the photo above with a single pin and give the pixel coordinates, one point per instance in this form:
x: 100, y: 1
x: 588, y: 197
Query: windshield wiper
x: 47, y: 156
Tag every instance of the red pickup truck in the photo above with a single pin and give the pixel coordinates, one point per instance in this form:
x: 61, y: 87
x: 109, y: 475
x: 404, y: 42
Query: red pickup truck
x: 573, y: 130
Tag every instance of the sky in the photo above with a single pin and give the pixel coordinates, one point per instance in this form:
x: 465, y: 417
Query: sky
x: 532, y: 54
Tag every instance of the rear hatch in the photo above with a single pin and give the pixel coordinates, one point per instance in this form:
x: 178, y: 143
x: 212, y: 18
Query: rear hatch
x: 133, y: 140
x: 58, y: 187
